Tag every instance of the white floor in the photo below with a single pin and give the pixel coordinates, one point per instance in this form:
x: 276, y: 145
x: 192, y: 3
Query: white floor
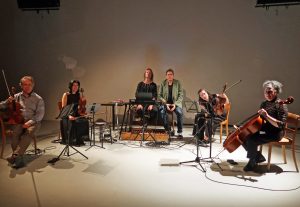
x: 125, y: 174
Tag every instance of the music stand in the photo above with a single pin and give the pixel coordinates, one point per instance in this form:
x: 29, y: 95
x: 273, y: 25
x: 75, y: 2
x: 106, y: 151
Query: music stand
x: 191, y: 107
x: 92, y: 109
x: 64, y: 114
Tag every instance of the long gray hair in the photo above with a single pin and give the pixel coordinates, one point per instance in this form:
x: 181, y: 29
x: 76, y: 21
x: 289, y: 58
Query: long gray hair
x: 273, y: 84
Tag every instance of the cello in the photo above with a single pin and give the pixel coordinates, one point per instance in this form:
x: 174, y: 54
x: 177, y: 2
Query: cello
x: 253, y: 125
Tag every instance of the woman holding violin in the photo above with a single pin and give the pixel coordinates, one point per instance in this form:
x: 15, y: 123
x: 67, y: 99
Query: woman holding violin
x: 212, y: 106
x: 76, y: 122
x: 274, y: 116
x: 25, y: 109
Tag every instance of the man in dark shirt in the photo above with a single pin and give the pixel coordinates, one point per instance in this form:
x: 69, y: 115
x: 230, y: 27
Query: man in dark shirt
x: 171, y: 95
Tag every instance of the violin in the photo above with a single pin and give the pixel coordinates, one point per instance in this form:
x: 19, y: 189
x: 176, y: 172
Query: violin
x: 220, y: 100
x: 82, y: 104
x: 253, y: 125
x: 13, y: 113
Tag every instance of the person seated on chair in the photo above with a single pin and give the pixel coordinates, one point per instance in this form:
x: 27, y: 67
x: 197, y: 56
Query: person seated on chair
x: 274, y: 117
x: 171, y: 95
x: 209, y: 118
x: 147, y: 86
x: 76, y: 124
x: 32, y: 110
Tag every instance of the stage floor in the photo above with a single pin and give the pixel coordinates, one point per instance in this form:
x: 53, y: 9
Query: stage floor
x: 131, y: 173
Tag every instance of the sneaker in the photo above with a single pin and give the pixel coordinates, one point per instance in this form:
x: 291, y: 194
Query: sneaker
x: 179, y: 135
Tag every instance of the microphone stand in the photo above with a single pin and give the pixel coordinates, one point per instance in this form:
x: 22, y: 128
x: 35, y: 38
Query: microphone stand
x: 211, y: 117
x: 197, y: 159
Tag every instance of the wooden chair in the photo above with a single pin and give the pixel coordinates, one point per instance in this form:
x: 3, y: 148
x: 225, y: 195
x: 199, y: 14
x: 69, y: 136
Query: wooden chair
x: 289, y: 139
x: 6, y: 133
x: 225, y: 122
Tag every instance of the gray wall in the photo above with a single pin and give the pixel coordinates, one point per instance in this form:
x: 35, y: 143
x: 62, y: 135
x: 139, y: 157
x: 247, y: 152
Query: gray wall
x: 107, y: 44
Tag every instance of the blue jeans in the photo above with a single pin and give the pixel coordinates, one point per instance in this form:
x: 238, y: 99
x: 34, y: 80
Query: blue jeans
x: 179, y: 113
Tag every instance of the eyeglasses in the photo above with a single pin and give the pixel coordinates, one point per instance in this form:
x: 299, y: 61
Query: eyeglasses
x: 269, y: 92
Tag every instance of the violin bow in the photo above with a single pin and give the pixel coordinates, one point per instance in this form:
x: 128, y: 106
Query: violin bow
x: 231, y: 85
x: 6, y: 82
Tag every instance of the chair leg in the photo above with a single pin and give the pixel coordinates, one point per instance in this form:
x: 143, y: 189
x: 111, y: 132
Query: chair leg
x: 3, y: 144
x: 283, y: 154
x: 35, y: 146
x: 227, y: 131
x: 269, y: 157
x: 260, y: 148
x: 221, y: 132
x: 294, y: 157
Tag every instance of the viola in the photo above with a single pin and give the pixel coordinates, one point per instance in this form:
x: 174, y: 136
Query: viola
x: 253, y: 125
x: 82, y: 104
x: 220, y: 100
x: 13, y: 113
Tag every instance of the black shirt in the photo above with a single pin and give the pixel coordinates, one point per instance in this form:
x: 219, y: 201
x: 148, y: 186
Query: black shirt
x: 74, y: 99
x: 277, y: 111
x: 170, y: 98
x: 147, y: 88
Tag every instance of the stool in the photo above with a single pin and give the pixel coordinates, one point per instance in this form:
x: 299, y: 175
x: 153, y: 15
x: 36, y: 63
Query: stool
x: 102, y: 127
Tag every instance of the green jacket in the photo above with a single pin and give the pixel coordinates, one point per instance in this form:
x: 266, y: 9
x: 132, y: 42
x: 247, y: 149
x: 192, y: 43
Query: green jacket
x: 177, y: 92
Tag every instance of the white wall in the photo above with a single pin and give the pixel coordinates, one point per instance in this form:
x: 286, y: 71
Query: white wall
x: 107, y: 44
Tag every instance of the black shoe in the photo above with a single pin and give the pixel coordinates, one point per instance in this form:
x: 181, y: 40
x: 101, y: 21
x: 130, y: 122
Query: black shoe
x: 19, y: 162
x: 250, y: 166
x: 11, y: 160
x: 179, y: 136
x: 172, y: 133
x: 260, y: 158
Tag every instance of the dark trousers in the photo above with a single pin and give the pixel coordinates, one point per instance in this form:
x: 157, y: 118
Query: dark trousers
x: 179, y: 114
x: 149, y: 116
x: 77, y: 129
x: 255, y: 140
x: 22, y: 137
x: 206, y: 125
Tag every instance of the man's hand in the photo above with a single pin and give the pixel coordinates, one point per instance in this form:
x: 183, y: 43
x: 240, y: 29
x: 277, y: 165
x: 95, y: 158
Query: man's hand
x: 139, y: 107
x: 72, y: 118
x: 10, y: 99
x: 150, y: 107
x: 171, y: 107
x: 26, y: 125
